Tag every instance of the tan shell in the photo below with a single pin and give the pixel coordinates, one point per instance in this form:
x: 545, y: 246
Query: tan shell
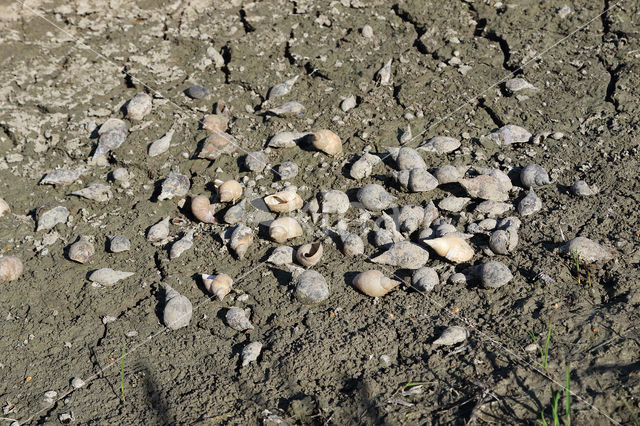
x: 202, y: 209
x: 81, y: 250
x: 215, y: 123
x: 218, y: 285
x: 327, y: 142
x: 241, y: 239
x: 309, y: 254
x: 10, y: 268
x: 230, y: 191
x: 452, y: 247
x: 4, y: 207
x: 283, y: 201
x: 373, y: 283
x: 216, y: 144
x: 284, y: 228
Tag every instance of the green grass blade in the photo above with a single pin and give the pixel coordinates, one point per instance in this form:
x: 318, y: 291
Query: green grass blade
x: 545, y: 357
x: 567, y: 404
x: 554, y: 408
x: 633, y: 415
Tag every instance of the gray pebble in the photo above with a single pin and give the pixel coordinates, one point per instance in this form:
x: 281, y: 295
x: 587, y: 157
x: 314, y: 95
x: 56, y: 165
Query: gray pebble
x: 119, y: 243
x: 529, y: 204
x: 494, y: 274
x: 425, y: 279
x: 255, y: 161
x: 311, y: 288
x: 288, y: 170
x: 348, y: 103
x: 197, y: 92
x: 367, y: 31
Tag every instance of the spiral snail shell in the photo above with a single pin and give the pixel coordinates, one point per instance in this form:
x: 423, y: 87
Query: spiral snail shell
x: 284, y: 228
x: 373, y: 283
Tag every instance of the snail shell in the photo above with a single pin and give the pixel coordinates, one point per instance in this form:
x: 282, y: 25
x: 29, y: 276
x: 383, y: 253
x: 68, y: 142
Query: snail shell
x: 285, y: 139
x: 406, y: 158
x: 230, y: 191
x: 81, y: 250
x: 119, y: 243
x: 202, y: 209
x: 174, y: 185
x: 309, y: 254
x: 530, y: 204
x: 327, y: 142
x: 451, y: 336
x: 237, y: 319
x: 283, y: 88
x: 61, y: 177
x: 161, y: 145
x: 440, y: 145
x: 284, y: 228
x: 113, y: 133
x: 452, y: 203
x: 363, y: 167
x: 588, y: 251
x: 452, y: 247
x: 216, y: 144
x: 255, y: 161
x: 108, y: 276
x: 241, y: 239
x: 48, y: 219
x: 431, y: 213
x: 251, y: 352
x: 197, y: 92
x: 415, y: 180
x: 182, y: 245
x: 485, y: 187
x: 311, y: 288
x: 159, y: 231
x: 504, y: 241
x: 449, y: 174
x: 403, y: 254
x: 283, y: 201
x: 139, y: 106
x: 96, y: 192
x: 494, y: 274
x: 10, y: 268
x: 425, y: 279
x: 335, y: 201
x: 177, y: 309
x: 582, y: 189
x: 493, y: 208
x: 4, y: 207
x: 509, y: 134
x: 215, y: 123
x: 410, y: 218
x: 218, y: 285
x: 235, y: 213
x: 373, y: 283
x: 291, y: 108
x: 534, y: 175
x: 352, y: 244
x: 374, y: 197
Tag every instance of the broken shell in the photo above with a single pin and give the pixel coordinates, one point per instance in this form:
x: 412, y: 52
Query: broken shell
x: 431, y: 213
x: 410, y: 218
x: 235, y: 213
x: 159, y: 231
x: 284, y: 228
x: 288, y: 170
x: 493, y: 208
x: 96, y: 192
x: 485, y: 187
x: 444, y: 229
x: 327, y: 142
x: 334, y: 201
x: 175, y: 185
x: 282, y: 255
x: 202, y: 209
x: 4, y: 208
x: 374, y: 197
x: 309, y: 254
x: 406, y: 135
x: 587, y: 250
x: 348, y: 103
x: 501, y: 176
x: 517, y: 84
x: 449, y: 174
x: 50, y: 218
x: 311, y: 288
x: 61, y: 177
x: 452, y: 247
x: 218, y: 285
x: 373, y: 283
x: 452, y: 335
x: 285, y: 139
x: 440, y: 145
x: 406, y: 158
x: 215, y: 123
x: 352, y: 244
x: 416, y: 180
x: 283, y: 88
x: 139, y: 106
x: 504, y: 241
x: 216, y: 144
x: 453, y: 204
x: 230, y: 191
x: 250, y: 353
x: 283, y: 201
x: 534, y: 175
x: 182, y: 245
x: 383, y: 76
x: 10, y: 268
x: 581, y: 188
x: 291, y: 108
x: 237, y: 319
x: 108, y: 276
x: 197, y: 92
x: 161, y: 145
x: 178, y: 310
x: 509, y: 134
x: 404, y: 254
x: 529, y: 204
x: 113, y: 133
x: 425, y: 279
x: 81, y: 250
x: 241, y: 239
x: 494, y: 274
x: 255, y: 161
x: 383, y: 238
x: 363, y: 167
x: 119, y: 244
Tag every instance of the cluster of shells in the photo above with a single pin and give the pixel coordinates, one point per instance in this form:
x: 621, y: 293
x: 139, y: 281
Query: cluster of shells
x: 456, y: 229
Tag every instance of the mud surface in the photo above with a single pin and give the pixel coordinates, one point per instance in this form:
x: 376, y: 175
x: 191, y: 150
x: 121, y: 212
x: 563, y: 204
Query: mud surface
x: 69, y: 66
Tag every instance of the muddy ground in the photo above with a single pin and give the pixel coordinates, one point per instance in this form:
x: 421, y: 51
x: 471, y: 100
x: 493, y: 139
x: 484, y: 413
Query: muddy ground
x: 69, y: 66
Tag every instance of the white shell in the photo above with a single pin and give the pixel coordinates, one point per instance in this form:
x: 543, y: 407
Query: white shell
x: 283, y: 201
x: 159, y: 231
x: 410, y: 218
x: 510, y: 134
x: 403, y: 254
x: 406, y: 158
x: 334, y: 201
x: 182, y: 245
x: 108, y: 276
x: 161, y: 145
x: 217, y: 144
x: 503, y: 241
x: 251, y: 352
x: 10, y: 268
x: 96, y: 192
x: 440, y: 145
x: 283, y: 88
x: 373, y: 283
x: 178, y: 310
x: 230, y: 191
x: 241, y: 239
x: 202, y: 209
x: 452, y: 335
x: 416, y: 180
x: 284, y: 228
x: 363, y: 167
x: 113, y: 133
x: 327, y: 142
x: 352, y: 244
x: 485, y: 187
x: 534, y: 175
x: 452, y: 247
x: 81, y: 250
x: 217, y: 285
x: 237, y: 319
x: 587, y: 250
x: 309, y: 254
x: 425, y: 279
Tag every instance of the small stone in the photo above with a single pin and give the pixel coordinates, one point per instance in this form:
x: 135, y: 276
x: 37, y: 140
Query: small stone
x: 119, y: 243
x: 197, y: 92
x: 311, y: 288
x: 494, y: 274
x: 288, y: 170
x: 121, y: 174
x: 348, y: 103
x: 564, y: 11
x: 77, y: 383
x: 251, y: 352
x: 366, y: 31
x: 451, y: 336
x: 529, y: 204
x: 65, y: 418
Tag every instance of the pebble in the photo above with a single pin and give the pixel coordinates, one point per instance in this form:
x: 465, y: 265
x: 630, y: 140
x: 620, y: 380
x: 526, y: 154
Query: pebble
x: 159, y: 231
x: 77, y: 383
x: 485, y: 187
x: 255, y: 161
x: 582, y: 189
x: 113, y: 133
x: 4, y: 208
x: 494, y: 274
x: 334, y: 201
x: 529, y: 204
x: 65, y: 418
x: 311, y: 288
x: 449, y: 174
x: 288, y: 109
x: 458, y: 279
x: 50, y: 396
x: 288, y: 170
x: 510, y: 134
x: 366, y: 31
x: 285, y: 139
x: 363, y: 167
x: 283, y: 88
x: 197, y: 92
x: 403, y: 254
x: 451, y: 336
x: 251, y: 352
x: 119, y: 243
x: 564, y: 11
x: 121, y: 174
x: 416, y: 180
x: 50, y: 218
x: 493, y: 208
x: 348, y: 103
x: 518, y: 84
x: 406, y: 158
x: 383, y: 76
